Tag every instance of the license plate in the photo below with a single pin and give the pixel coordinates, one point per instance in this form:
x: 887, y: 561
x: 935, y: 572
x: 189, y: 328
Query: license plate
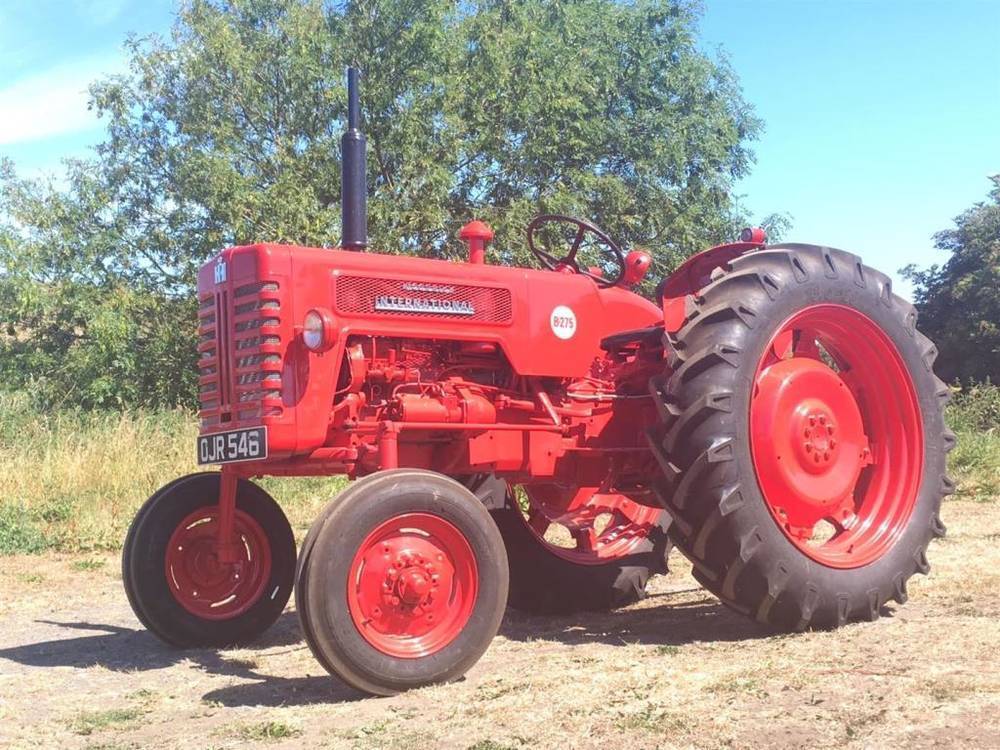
x: 249, y: 444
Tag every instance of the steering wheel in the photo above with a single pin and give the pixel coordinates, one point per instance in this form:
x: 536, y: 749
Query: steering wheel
x: 583, y: 228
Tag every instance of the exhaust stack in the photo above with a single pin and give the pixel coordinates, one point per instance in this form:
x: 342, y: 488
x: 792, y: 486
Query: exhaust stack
x: 353, y: 173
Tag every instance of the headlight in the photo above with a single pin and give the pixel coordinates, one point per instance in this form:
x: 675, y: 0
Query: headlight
x: 319, y: 332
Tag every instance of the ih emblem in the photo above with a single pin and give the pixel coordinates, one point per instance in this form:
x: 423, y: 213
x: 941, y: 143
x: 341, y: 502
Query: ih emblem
x: 220, y: 271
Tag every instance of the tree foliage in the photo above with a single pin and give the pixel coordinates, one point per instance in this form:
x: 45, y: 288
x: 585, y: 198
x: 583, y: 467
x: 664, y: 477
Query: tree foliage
x: 227, y: 133
x: 959, y: 302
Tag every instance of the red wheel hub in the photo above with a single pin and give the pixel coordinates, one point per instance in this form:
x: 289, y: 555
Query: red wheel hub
x: 807, y: 416
x: 412, y: 585
x: 200, y: 583
x: 601, y: 526
x: 836, y: 435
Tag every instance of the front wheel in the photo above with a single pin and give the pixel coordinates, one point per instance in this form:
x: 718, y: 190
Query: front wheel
x: 802, y: 442
x: 402, y: 582
x: 174, y: 581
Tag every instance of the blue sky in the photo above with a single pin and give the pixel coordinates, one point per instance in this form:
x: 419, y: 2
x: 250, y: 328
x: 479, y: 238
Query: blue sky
x: 882, y: 117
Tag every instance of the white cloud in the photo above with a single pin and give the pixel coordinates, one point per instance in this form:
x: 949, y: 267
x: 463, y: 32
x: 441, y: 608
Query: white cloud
x: 50, y: 103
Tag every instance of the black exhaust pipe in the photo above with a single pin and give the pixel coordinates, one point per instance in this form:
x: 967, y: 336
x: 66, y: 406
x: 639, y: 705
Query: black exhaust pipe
x: 353, y: 173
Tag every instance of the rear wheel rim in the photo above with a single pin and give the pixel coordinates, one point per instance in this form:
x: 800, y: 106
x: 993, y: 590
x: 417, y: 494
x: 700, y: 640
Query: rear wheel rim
x: 602, y: 527
x: 412, y: 585
x: 836, y: 436
x: 202, y: 585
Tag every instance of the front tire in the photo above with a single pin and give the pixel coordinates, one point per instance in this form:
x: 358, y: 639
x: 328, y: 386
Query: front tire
x: 800, y: 395
x: 402, y: 583
x: 178, y: 589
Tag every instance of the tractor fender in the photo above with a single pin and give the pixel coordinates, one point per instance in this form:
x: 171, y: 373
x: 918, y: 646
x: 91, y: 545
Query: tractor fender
x: 696, y: 272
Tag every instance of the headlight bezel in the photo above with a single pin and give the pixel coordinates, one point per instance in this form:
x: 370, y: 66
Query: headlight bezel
x: 319, y: 332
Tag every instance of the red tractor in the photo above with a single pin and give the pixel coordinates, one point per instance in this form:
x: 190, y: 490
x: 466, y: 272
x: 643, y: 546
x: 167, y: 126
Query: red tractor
x: 774, y: 415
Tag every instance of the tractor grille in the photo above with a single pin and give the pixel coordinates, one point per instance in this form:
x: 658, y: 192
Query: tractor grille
x: 412, y: 299
x: 239, y: 350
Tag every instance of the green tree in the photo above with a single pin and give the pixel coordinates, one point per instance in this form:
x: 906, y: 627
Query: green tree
x: 959, y: 302
x: 227, y: 133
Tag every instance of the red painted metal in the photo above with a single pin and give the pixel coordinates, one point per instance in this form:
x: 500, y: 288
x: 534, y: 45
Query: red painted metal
x: 460, y: 368
x: 200, y: 581
x: 637, y: 265
x: 477, y: 234
x: 602, y: 526
x: 695, y: 273
x: 228, y: 542
x: 836, y: 435
x: 461, y: 357
x: 753, y: 235
x: 412, y: 585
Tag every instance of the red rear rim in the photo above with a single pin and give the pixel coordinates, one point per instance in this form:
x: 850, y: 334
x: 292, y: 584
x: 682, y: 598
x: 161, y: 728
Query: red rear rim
x: 836, y: 436
x: 412, y: 585
x: 596, y: 527
x: 200, y: 583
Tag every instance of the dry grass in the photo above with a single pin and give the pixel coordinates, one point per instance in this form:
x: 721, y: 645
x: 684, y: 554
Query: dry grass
x: 975, y: 465
x: 72, y: 480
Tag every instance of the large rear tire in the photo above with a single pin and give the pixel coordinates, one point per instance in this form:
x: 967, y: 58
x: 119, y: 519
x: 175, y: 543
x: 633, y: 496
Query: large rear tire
x: 801, y: 397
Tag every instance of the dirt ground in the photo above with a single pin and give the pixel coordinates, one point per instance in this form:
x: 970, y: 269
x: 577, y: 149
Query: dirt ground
x: 677, y: 670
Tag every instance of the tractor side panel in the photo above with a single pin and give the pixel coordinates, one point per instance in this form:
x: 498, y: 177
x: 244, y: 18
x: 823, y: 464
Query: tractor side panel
x: 566, y: 318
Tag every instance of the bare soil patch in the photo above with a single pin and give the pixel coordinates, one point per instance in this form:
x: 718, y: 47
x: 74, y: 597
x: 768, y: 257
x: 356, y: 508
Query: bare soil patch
x: 676, y: 670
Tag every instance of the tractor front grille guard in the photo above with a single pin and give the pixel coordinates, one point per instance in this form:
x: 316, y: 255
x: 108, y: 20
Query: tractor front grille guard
x: 239, y: 349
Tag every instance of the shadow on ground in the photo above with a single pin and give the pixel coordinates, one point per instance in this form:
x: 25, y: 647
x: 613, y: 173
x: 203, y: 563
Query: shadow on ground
x: 129, y: 650
x: 664, y: 620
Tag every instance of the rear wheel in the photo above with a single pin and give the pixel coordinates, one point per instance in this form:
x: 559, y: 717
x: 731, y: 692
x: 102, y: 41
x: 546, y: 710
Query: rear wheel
x: 403, y: 582
x: 174, y: 581
x: 575, y: 549
x: 802, y: 439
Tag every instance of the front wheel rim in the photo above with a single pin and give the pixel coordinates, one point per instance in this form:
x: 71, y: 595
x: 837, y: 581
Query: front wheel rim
x: 202, y: 585
x: 412, y: 586
x: 836, y: 435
